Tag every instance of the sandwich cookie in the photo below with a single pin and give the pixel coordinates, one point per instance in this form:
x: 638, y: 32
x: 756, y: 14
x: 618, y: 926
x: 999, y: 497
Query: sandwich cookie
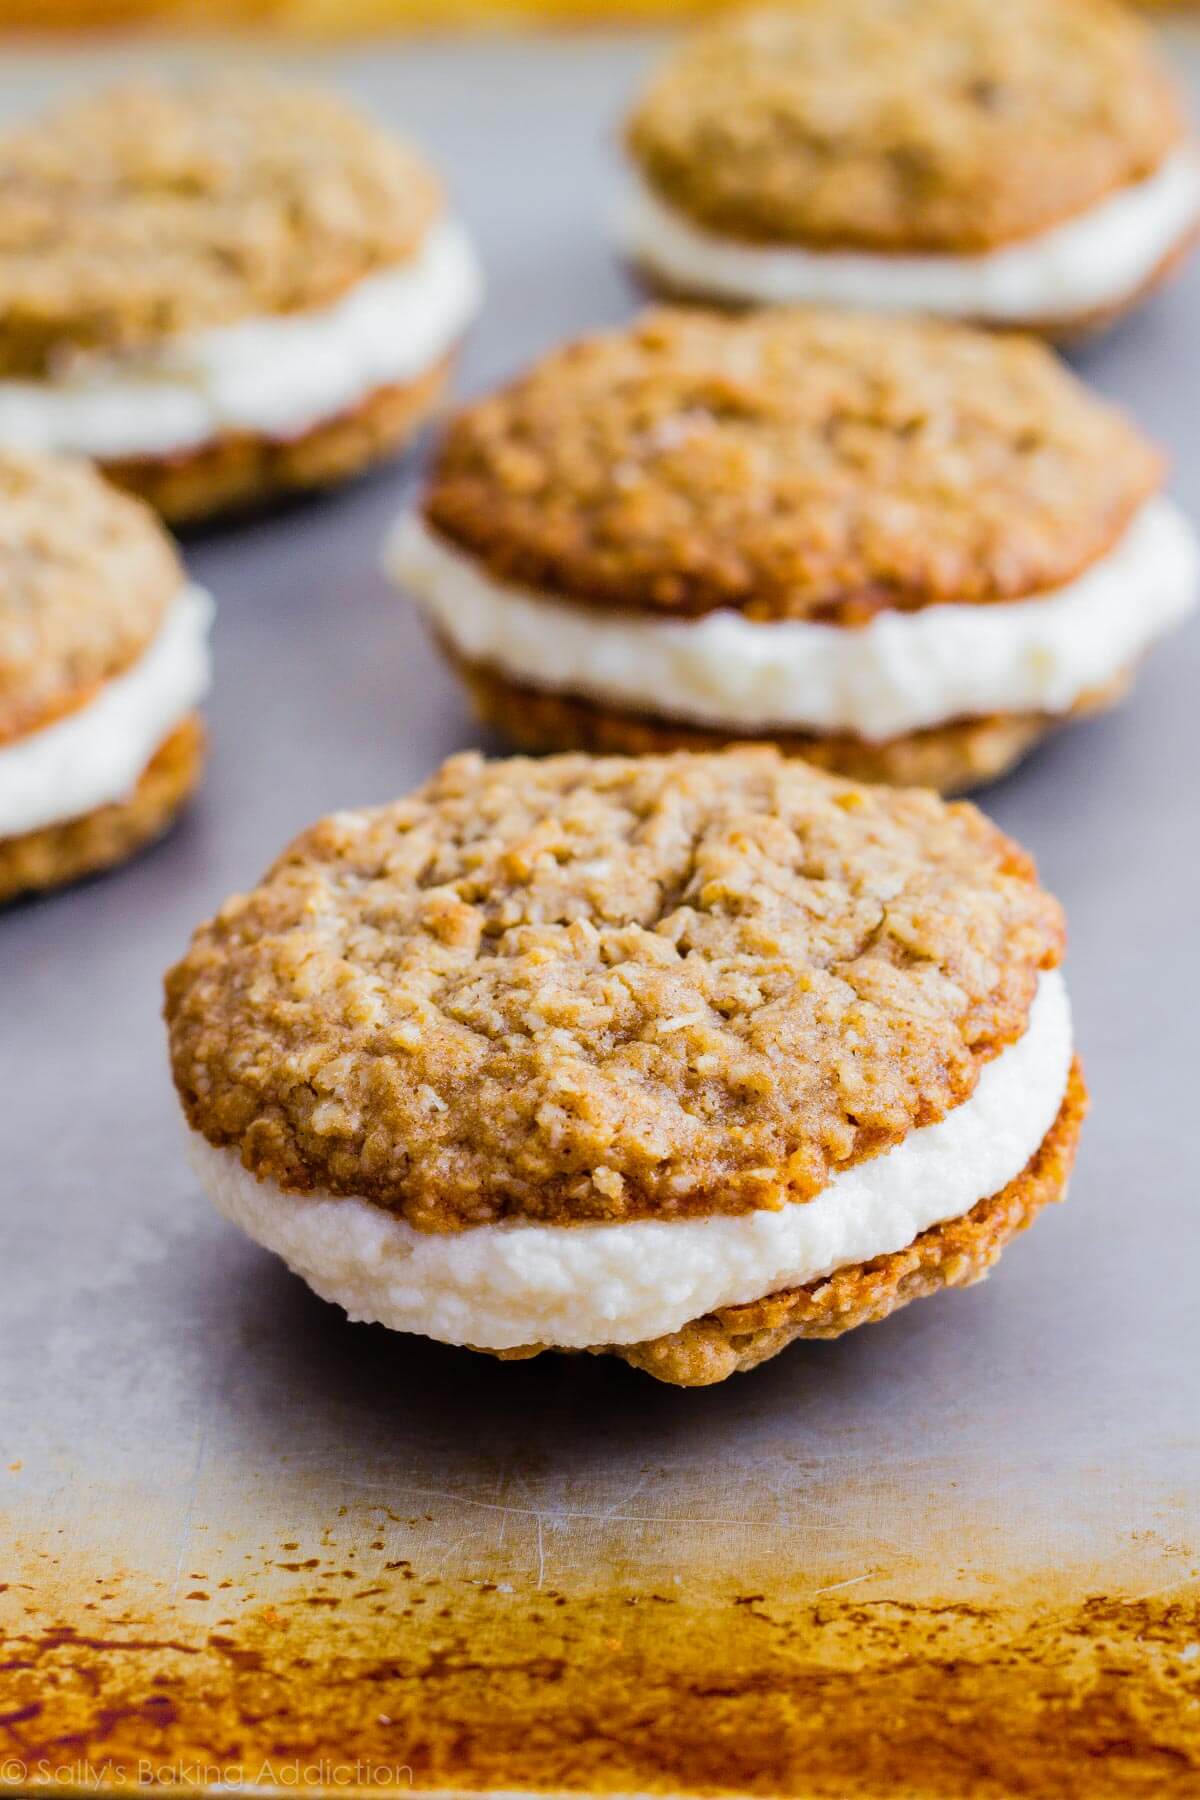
x: 902, y: 549
x: 223, y: 290
x: 678, y: 1058
x: 103, y: 661
x: 1019, y: 164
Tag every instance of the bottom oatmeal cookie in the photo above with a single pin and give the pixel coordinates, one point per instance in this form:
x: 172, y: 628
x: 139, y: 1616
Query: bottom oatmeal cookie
x: 957, y: 1254
x: 952, y: 758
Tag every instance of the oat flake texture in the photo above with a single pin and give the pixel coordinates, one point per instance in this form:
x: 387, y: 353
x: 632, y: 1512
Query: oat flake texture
x: 793, y: 464
x: 584, y: 989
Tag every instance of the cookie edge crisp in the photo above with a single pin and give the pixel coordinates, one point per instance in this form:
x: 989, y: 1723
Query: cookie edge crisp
x: 956, y: 1254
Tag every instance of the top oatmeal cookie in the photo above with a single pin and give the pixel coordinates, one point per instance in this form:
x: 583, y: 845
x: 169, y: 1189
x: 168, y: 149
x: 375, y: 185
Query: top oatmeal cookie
x: 584, y: 989
x: 793, y: 464
x: 941, y: 125
x: 149, y: 210
x: 86, y: 577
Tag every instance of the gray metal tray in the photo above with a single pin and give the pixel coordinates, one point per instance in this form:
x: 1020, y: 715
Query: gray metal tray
x: 245, y: 1541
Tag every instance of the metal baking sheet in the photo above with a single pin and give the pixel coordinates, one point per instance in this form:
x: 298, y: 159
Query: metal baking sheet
x: 248, y: 1543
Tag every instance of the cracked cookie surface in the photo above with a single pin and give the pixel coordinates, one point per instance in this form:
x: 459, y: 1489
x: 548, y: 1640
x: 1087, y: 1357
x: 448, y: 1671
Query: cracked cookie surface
x: 791, y: 465
x: 590, y: 989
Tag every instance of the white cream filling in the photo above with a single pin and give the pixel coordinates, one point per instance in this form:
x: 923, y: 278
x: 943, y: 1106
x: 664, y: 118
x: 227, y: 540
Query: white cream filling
x: 1097, y: 259
x: 96, y: 755
x: 901, y: 672
x: 500, y: 1286
x: 276, y: 376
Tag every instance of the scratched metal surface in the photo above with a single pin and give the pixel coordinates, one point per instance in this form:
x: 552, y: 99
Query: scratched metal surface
x: 955, y: 1553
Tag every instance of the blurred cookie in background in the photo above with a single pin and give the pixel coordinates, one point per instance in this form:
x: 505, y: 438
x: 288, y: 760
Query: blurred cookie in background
x: 104, y: 660
x: 223, y: 290
x: 1028, y: 163
x: 902, y: 549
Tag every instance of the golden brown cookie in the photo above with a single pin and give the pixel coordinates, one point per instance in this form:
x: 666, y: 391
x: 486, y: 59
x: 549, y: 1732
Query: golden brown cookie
x: 462, y: 906
x: 85, y: 582
x: 937, y: 125
x: 222, y: 288
x: 590, y: 995
x: 903, y: 549
x: 947, y: 130
x: 103, y: 658
x: 149, y: 210
x: 794, y: 465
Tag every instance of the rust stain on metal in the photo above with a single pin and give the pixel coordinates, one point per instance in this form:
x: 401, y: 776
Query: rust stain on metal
x: 428, y: 1681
